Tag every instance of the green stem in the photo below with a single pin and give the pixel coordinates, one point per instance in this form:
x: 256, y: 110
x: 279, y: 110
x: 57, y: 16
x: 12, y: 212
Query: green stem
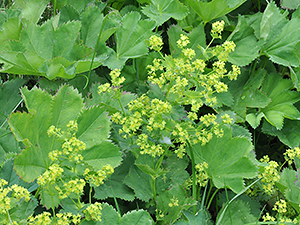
x: 54, y: 8
x: 153, y: 188
x: 90, y: 195
x: 194, y: 185
x: 10, y: 221
x: 94, y: 54
x: 121, y: 107
x: 211, y: 198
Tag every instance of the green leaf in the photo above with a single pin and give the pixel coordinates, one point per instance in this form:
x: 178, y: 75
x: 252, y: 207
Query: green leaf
x: 246, y: 92
x: 140, y: 217
x: 201, y: 218
x: 288, y: 187
x: 130, y: 40
x: 196, y: 38
x: 281, y: 48
x: 162, y: 10
x: 140, y: 183
x: 31, y: 9
x: 31, y: 128
x: 247, y: 46
x: 95, y: 24
x: 279, y: 90
x: 10, y: 98
x: 93, y: 126
x: 289, y: 4
x: 114, y: 186
x: 108, y: 101
x: 288, y: 135
x: 102, y: 154
x: 238, y: 213
x: 111, y: 215
x: 8, y: 144
x: 227, y: 160
x: 7, y: 173
x: 171, y: 214
x: 214, y: 9
x: 272, y: 20
x: 47, y: 51
x: 10, y: 24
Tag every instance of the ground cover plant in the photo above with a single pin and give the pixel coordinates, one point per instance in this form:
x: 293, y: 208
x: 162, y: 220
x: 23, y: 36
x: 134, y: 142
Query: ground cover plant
x: 149, y: 112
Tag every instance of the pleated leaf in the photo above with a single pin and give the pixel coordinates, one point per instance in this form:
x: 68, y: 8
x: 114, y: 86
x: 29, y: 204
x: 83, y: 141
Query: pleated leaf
x: 227, y: 160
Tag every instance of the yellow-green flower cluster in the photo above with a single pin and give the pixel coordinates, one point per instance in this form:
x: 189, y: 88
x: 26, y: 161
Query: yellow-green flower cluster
x: 50, y: 176
x: 173, y: 202
x: 97, y: 178
x: 268, y: 218
x: 280, y: 206
x: 72, y: 148
x: 291, y: 154
x: 54, y: 131
x: 116, y: 81
x: 202, y: 176
x: 217, y: 29
x: 72, y: 126
x: 155, y: 43
x: 4, y: 199
x: 148, y: 147
x: 73, y: 186
x: 93, y: 212
x: 67, y: 218
x: 40, y: 219
x: 269, y: 175
x: 183, y: 41
x: 226, y: 119
x: 11, y: 196
x: 208, y: 119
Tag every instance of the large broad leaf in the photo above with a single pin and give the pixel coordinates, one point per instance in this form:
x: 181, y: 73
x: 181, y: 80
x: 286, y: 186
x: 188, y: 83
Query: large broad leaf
x: 247, y: 93
x: 95, y: 24
x: 130, y: 40
x: 281, y: 106
x: 237, y: 213
x: 31, y: 9
x: 288, y: 135
x: 10, y: 24
x: 289, y: 185
x: 214, y: 9
x: 10, y: 98
x: 281, y: 48
x: 162, y: 10
x: 114, y: 186
x: 46, y: 110
x: 47, y: 51
x: 281, y: 36
x: 140, y: 217
x: 247, y: 46
x: 31, y: 128
x: 227, y: 160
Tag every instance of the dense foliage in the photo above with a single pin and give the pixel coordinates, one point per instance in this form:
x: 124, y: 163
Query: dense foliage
x: 150, y: 112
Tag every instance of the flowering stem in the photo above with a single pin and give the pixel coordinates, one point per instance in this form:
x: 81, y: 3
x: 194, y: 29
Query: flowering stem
x: 90, y: 195
x: 121, y: 107
x: 10, y: 221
